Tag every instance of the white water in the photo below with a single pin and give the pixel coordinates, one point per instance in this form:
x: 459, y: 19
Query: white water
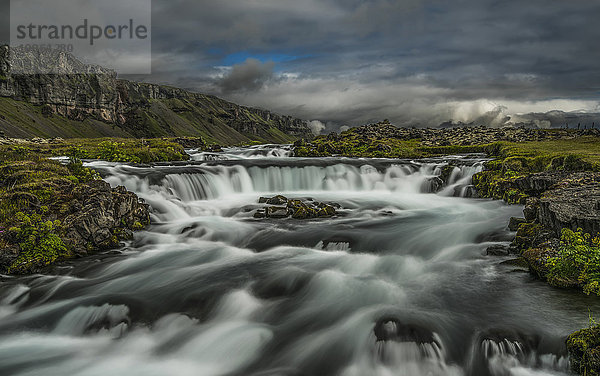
x: 209, y: 290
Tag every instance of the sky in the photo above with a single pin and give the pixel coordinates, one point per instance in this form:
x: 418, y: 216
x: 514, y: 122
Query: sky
x: 415, y: 62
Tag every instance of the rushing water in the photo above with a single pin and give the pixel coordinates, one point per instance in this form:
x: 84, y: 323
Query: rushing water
x: 397, y: 284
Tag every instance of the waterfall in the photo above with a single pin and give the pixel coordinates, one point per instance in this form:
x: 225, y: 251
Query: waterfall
x: 396, y: 283
x: 213, y: 182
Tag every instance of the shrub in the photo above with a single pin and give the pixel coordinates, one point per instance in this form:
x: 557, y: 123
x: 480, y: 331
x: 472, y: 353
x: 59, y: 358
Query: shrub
x: 578, y: 262
x: 39, y: 242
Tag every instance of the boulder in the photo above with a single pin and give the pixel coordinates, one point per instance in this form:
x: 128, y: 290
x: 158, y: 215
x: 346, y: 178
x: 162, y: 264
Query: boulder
x: 573, y: 203
x: 100, y: 217
x: 277, y: 212
x: 277, y: 200
x: 295, y: 208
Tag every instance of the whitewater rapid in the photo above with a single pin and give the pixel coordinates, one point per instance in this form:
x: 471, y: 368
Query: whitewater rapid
x: 397, y: 283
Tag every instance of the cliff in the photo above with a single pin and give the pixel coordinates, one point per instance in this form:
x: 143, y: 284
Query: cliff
x: 96, y: 103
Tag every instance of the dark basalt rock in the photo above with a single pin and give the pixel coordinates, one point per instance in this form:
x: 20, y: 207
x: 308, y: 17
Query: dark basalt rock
x: 101, y: 216
x: 294, y: 208
x: 93, y: 217
x: 573, y: 203
x: 392, y: 329
x: 514, y: 223
x: 497, y: 250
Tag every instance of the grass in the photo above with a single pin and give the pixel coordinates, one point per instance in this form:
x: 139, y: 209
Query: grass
x: 194, y: 115
x: 111, y: 149
x: 35, y: 192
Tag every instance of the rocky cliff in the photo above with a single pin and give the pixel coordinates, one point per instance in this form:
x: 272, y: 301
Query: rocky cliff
x: 100, y: 104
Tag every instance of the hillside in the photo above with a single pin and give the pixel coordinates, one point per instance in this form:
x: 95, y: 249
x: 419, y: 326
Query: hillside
x: 98, y: 104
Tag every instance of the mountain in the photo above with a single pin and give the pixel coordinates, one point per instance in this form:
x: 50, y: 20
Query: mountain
x: 71, y: 99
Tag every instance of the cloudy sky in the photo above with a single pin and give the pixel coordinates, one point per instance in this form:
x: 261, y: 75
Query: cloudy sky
x: 416, y: 62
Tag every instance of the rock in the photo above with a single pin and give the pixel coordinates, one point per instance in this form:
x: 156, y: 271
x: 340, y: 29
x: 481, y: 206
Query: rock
x: 260, y: 213
x: 277, y: 200
x: 277, y: 212
x: 537, y: 259
x: 573, y: 204
x: 70, y: 88
x: 295, y: 208
x: 531, y: 209
x: 102, y: 217
x: 514, y: 223
x: 497, y: 250
x: 584, y: 351
x: 392, y: 329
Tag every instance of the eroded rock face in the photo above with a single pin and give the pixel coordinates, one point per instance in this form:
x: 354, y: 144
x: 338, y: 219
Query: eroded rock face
x: 101, y: 217
x: 80, y: 91
x: 281, y: 207
x: 572, y: 203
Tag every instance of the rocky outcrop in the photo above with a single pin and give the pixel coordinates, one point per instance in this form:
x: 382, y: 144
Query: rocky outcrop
x: 101, y: 217
x: 572, y: 203
x: 93, y: 217
x: 281, y: 207
x: 81, y: 92
x: 464, y: 135
x: 560, y: 200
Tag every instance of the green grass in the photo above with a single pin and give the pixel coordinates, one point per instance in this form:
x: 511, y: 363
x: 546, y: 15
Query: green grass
x: 111, y: 149
x: 194, y: 116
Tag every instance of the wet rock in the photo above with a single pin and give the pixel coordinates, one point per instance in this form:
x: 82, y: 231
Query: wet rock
x: 514, y: 223
x: 497, y: 250
x: 277, y: 200
x: 277, y: 212
x: 294, y: 208
x: 392, y: 329
x: 537, y: 259
x: 531, y: 209
x: 584, y: 351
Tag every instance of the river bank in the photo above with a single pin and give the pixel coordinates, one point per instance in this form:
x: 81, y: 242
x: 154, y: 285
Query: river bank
x: 395, y: 280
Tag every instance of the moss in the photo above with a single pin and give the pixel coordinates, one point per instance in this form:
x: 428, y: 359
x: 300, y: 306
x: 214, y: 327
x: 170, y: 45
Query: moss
x: 526, y: 234
x: 584, y: 351
x: 39, y: 242
x: 137, y: 226
x: 577, y: 263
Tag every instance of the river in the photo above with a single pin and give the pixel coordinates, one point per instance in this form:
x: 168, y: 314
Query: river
x: 397, y: 283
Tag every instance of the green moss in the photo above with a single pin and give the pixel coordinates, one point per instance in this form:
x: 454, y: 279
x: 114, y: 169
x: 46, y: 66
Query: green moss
x: 137, y: 226
x: 584, y: 351
x: 526, y: 234
x: 577, y: 263
x: 39, y: 243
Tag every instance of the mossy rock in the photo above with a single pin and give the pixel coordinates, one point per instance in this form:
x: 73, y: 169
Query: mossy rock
x: 584, y: 350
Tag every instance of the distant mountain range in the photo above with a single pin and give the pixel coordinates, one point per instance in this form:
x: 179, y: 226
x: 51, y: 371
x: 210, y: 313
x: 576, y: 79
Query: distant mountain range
x: 71, y: 99
x: 551, y: 119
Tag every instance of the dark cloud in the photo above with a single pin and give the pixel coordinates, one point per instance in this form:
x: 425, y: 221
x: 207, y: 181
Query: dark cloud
x: 416, y: 62
x: 250, y: 75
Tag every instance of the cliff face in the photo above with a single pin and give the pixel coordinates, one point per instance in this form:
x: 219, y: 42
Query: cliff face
x: 129, y: 108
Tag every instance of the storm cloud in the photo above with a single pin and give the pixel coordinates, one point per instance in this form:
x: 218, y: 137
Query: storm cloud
x: 416, y: 62
x: 251, y: 75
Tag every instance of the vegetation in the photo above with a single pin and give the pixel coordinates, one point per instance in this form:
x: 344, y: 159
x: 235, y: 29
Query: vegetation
x: 114, y: 150
x: 197, y: 115
x: 516, y: 160
x: 577, y: 263
x: 38, y: 240
x: 584, y: 350
x: 35, y: 192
